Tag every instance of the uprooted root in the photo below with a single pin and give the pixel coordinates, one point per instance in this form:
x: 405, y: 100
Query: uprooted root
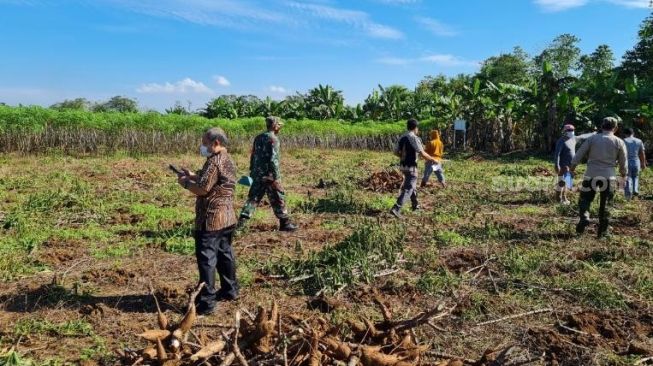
x: 271, y: 339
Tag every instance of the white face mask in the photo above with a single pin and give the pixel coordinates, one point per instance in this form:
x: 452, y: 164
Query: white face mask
x: 204, y: 151
x: 570, y: 134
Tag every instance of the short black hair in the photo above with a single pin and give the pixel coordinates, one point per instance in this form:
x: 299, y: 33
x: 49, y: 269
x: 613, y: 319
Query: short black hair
x: 629, y: 131
x: 609, y: 123
x: 412, y: 124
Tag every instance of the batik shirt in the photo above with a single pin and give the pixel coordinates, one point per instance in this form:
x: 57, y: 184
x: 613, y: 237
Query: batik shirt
x: 214, y: 211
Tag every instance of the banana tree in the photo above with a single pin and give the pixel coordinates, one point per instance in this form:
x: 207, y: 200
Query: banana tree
x: 396, y: 101
x: 324, y: 102
x: 372, y: 106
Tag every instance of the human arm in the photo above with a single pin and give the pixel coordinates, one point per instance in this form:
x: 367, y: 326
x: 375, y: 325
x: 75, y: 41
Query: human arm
x: 556, y: 156
x: 203, y: 183
x: 642, y: 157
x: 251, y: 157
x: 416, y: 143
x: 192, y: 176
x: 428, y: 157
x: 397, y: 149
x: 580, y: 155
x: 622, y: 159
x: 275, y: 165
x: 583, y: 137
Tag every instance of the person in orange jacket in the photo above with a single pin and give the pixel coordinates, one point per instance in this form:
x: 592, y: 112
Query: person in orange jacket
x: 435, y: 148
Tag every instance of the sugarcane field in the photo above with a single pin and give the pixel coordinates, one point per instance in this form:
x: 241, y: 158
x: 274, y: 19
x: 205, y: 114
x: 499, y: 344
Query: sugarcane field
x: 321, y: 182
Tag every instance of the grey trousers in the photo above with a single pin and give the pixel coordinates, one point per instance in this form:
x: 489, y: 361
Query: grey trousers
x: 408, y: 189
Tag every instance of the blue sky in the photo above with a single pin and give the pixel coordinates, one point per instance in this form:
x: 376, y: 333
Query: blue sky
x: 160, y: 51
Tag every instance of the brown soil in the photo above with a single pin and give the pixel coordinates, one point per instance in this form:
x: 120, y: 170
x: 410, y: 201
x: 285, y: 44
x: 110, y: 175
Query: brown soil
x: 463, y: 259
x: 57, y: 253
x: 542, y: 172
x: 579, y: 333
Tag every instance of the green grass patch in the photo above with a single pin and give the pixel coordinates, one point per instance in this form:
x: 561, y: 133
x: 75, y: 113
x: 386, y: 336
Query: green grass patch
x: 522, y: 262
x: 438, y: 282
x: 370, y: 249
x: 119, y: 250
x: 593, y: 290
x: 450, y: 238
x: 71, y: 328
x: 180, y: 245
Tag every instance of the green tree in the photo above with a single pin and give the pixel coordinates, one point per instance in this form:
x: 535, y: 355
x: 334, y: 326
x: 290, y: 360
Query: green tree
x: 324, y: 102
x: 597, y: 64
x: 178, y: 109
x: 117, y: 104
x: 81, y: 104
x: 510, y: 68
x: 293, y: 106
x: 221, y: 107
x: 372, y: 106
x: 563, y: 54
x: 396, y: 102
x: 639, y: 61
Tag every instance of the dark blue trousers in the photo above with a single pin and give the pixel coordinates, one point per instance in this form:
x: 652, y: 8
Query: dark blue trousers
x: 214, y: 253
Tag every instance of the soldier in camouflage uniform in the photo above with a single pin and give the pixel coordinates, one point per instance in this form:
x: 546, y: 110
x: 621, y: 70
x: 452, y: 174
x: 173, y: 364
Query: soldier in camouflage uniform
x: 265, y: 174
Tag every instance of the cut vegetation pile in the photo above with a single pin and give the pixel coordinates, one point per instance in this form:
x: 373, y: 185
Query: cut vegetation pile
x: 383, y: 181
x: 271, y: 338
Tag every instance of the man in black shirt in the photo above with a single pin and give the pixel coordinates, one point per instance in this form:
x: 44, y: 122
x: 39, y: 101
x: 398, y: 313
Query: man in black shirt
x: 408, y: 149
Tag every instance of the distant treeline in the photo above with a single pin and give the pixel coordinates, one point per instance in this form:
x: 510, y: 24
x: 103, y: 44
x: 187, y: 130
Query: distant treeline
x: 515, y: 101
x: 37, y: 129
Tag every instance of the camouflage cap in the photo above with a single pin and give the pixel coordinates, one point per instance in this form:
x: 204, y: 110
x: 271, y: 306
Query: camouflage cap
x: 273, y: 121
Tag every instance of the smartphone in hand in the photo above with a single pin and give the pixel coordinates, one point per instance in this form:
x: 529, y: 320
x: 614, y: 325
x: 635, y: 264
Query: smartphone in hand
x: 176, y: 170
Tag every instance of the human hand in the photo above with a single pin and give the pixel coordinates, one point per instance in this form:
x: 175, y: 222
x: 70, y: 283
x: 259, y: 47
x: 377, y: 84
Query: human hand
x: 183, y: 181
x: 276, y: 185
x: 189, y: 174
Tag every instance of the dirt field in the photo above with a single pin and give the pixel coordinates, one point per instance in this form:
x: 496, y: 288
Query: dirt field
x: 82, y: 239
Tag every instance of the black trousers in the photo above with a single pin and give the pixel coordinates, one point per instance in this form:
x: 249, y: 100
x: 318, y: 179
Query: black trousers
x: 214, y: 252
x: 605, y: 188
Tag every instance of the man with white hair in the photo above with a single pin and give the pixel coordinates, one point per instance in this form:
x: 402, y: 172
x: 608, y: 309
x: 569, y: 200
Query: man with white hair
x: 215, y: 220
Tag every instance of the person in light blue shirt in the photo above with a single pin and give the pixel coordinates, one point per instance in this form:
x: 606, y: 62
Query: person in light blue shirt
x: 636, y: 163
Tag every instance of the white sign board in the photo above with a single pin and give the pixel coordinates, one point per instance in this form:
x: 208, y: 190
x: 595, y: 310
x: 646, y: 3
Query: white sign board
x: 460, y: 125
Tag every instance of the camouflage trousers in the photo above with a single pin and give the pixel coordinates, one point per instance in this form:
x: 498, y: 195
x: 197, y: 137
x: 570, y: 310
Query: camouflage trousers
x: 606, y: 189
x: 259, y: 189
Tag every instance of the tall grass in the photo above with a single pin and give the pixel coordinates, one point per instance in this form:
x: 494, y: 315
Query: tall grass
x: 36, y: 129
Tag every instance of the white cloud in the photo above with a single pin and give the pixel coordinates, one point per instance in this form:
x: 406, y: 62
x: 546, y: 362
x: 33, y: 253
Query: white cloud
x: 642, y: 4
x: 394, y: 61
x: 277, y: 89
x: 226, y: 13
x: 184, y: 86
x: 221, y: 80
x: 399, y: 2
x: 355, y: 18
x: 443, y: 60
x: 561, y: 5
x: 436, y: 27
x: 448, y: 60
